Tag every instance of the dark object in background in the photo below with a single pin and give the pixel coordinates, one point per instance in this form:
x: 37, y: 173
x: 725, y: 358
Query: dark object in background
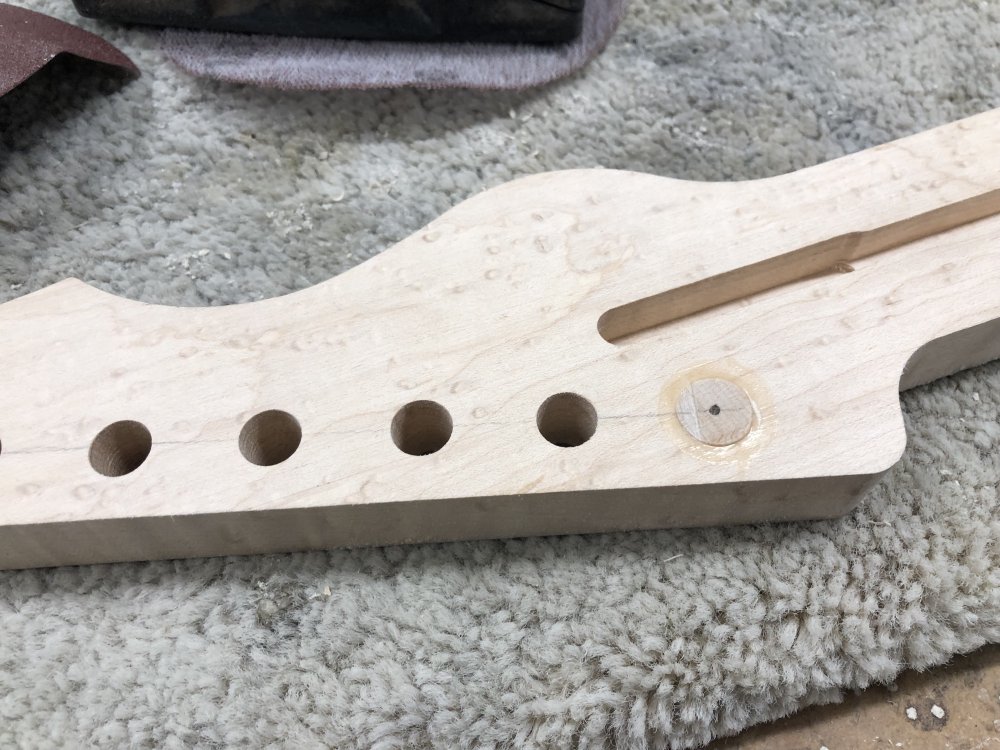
x: 291, y: 62
x: 30, y: 40
x: 535, y: 21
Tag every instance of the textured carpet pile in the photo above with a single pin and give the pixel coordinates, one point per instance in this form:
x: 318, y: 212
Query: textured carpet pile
x: 176, y: 190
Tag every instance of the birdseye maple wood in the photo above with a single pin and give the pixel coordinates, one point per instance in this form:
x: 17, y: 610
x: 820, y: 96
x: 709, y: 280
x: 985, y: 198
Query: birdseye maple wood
x: 571, y: 352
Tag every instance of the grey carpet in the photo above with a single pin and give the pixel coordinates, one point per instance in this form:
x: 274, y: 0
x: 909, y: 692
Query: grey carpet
x: 177, y: 190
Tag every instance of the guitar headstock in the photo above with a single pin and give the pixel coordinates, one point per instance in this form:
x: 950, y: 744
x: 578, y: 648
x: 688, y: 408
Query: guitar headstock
x: 570, y: 352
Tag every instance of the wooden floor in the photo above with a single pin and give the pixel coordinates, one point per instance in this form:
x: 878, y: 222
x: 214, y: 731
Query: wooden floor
x: 956, y: 707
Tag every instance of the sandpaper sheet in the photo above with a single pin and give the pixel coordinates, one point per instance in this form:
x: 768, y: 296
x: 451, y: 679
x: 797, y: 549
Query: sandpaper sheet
x: 30, y: 40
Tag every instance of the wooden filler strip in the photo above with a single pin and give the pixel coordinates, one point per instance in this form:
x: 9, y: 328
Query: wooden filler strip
x: 570, y: 352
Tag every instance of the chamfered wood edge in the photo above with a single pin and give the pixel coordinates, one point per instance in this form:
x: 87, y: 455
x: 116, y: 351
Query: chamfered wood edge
x: 947, y: 355
x: 423, y: 521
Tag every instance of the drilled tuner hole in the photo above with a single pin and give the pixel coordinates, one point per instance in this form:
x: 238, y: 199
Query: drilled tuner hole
x: 120, y: 448
x: 421, y: 428
x: 567, y: 420
x: 714, y: 410
x: 270, y: 437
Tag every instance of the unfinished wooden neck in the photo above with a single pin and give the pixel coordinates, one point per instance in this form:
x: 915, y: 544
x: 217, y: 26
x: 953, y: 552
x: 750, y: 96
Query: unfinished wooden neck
x: 570, y: 352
